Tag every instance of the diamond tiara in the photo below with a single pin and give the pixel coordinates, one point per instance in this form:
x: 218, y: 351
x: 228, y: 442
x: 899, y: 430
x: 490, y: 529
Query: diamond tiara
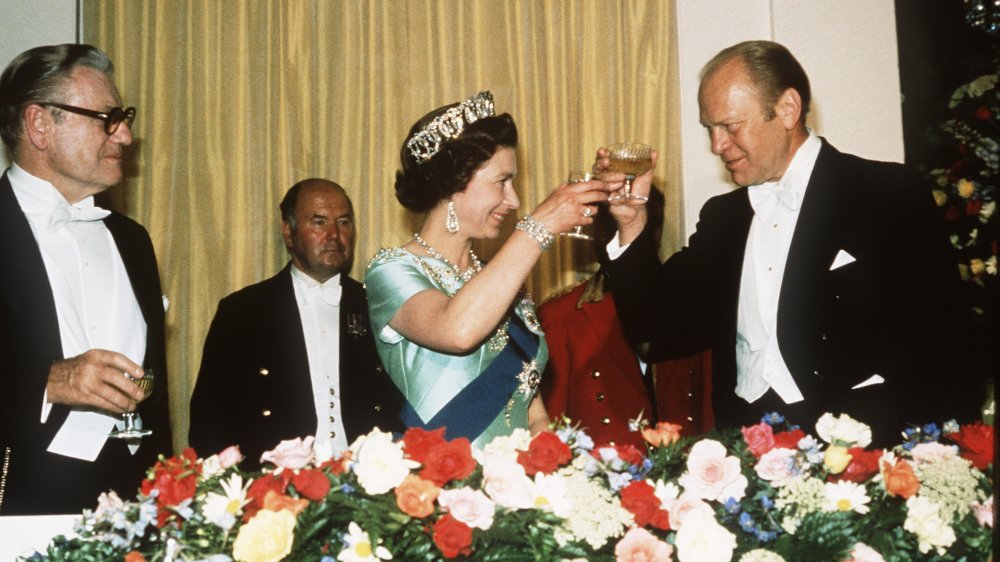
x: 449, y: 125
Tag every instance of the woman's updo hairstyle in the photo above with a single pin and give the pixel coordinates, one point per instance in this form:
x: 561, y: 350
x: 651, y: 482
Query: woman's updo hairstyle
x: 421, y: 184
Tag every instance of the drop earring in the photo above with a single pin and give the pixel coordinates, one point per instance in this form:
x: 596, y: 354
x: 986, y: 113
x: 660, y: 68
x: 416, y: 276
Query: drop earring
x: 451, y: 221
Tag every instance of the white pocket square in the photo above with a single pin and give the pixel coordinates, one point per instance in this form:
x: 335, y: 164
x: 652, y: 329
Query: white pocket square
x: 842, y: 259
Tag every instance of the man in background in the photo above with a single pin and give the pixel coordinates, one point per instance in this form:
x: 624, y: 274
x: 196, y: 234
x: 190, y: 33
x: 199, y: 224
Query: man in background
x: 81, y: 311
x: 293, y: 356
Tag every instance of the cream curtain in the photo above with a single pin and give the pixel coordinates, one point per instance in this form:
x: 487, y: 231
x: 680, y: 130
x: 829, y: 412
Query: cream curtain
x: 239, y: 99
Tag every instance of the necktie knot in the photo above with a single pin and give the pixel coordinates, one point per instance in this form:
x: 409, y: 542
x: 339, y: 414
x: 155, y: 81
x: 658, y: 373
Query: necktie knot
x: 328, y: 293
x: 765, y: 197
x: 65, y: 214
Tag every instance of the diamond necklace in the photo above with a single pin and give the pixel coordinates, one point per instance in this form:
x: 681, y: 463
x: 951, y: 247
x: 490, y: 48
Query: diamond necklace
x: 475, y: 268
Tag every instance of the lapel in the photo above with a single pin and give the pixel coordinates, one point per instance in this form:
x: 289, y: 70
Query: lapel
x: 24, y: 281
x: 134, y: 259
x: 354, y: 330
x: 286, y: 320
x: 817, y: 238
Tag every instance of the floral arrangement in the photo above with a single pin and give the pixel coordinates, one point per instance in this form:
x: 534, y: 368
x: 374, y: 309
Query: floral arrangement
x: 764, y: 493
x: 966, y: 189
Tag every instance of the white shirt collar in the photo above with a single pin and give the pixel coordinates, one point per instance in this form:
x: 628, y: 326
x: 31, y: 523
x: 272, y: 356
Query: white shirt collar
x: 38, y: 198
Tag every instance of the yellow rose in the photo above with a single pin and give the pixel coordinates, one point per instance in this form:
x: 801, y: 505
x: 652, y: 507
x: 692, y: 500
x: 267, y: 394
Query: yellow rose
x: 966, y: 188
x: 265, y: 538
x: 836, y: 459
x: 940, y: 197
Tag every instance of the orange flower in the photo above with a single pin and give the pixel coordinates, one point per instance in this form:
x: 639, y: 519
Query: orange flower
x: 900, y: 479
x: 134, y: 556
x: 415, y: 496
x: 664, y: 434
x: 274, y: 501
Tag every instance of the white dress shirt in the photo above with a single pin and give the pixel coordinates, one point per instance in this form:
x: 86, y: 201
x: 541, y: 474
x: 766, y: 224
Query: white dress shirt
x: 759, y: 363
x: 95, y: 305
x: 319, y: 308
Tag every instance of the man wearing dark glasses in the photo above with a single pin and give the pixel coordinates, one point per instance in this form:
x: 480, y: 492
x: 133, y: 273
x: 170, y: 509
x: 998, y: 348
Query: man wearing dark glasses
x: 81, y: 310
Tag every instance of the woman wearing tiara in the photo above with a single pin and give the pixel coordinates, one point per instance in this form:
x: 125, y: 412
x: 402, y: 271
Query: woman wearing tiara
x: 459, y: 337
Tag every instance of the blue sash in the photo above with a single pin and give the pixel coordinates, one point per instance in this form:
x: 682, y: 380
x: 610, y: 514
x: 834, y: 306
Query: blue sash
x: 475, y: 407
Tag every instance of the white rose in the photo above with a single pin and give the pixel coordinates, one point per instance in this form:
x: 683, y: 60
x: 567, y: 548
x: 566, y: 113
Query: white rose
x: 380, y: 465
x: 702, y: 539
x: 843, y: 430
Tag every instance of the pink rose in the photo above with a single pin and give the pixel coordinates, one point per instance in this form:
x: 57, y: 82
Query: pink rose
x: 929, y: 452
x: 683, y: 506
x: 776, y: 466
x: 292, y: 454
x: 759, y: 438
x: 469, y: 506
x: 711, y: 475
x: 230, y: 456
x: 864, y: 553
x: 984, y: 512
x: 639, y: 545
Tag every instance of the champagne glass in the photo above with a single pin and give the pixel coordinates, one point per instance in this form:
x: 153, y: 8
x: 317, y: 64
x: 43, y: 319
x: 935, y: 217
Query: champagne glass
x: 131, y: 429
x: 577, y: 176
x: 631, y: 159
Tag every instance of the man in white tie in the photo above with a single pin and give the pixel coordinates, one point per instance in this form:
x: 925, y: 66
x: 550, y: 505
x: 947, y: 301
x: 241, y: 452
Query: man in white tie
x: 825, y: 284
x: 81, y: 309
x: 293, y: 356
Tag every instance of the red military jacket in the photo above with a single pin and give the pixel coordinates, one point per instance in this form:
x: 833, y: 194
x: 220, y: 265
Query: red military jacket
x: 594, y: 376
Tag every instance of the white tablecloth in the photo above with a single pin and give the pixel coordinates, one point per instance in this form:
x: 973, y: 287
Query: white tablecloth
x: 23, y: 535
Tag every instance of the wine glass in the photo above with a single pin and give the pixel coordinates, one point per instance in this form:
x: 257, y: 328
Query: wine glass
x: 577, y: 176
x: 131, y: 429
x: 631, y: 159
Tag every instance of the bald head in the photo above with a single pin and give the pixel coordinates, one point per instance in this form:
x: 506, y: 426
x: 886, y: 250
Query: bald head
x: 317, y: 224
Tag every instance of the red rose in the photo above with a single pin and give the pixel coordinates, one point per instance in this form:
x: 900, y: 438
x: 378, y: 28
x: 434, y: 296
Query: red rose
x: 789, y: 439
x: 452, y: 536
x: 174, y: 480
x: 759, y: 438
x: 417, y: 442
x: 545, y: 454
x: 639, y: 498
x: 629, y: 453
x: 311, y: 483
x: 975, y: 441
x: 863, y: 465
x: 451, y: 460
x: 984, y: 114
x: 259, y: 489
x: 135, y: 556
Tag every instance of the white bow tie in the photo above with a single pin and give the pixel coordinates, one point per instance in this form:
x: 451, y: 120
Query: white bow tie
x: 64, y: 214
x: 330, y: 294
x: 765, y: 197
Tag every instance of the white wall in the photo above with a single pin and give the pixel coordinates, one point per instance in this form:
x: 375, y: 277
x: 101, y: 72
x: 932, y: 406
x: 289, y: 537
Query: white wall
x: 30, y: 23
x: 847, y: 47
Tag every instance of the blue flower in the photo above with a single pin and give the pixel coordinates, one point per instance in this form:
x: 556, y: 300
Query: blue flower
x: 347, y: 489
x: 732, y: 505
x: 746, y: 523
x: 766, y: 536
x: 773, y: 418
x: 766, y: 502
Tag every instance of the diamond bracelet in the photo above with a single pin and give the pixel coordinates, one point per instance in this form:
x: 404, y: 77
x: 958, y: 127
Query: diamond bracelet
x: 536, y: 230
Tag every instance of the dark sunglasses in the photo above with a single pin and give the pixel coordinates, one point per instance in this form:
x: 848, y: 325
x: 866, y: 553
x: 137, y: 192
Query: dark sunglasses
x: 116, y: 116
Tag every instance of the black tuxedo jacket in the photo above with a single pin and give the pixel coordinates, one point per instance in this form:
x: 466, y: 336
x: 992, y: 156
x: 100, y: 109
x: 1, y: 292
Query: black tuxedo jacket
x: 892, y: 312
x: 254, y: 387
x: 35, y: 481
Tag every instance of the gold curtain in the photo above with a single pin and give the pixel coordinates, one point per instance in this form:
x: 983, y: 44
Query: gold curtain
x: 239, y: 99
